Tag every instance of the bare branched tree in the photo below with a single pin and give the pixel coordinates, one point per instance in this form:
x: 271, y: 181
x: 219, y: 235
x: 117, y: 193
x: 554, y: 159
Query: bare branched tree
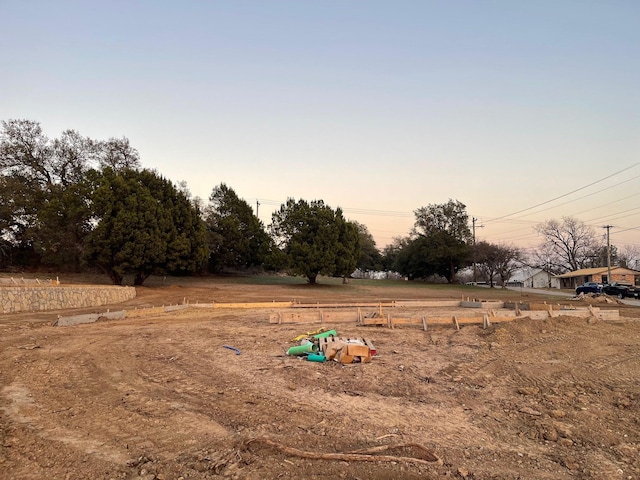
x: 567, y: 245
x: 498, y: 260
x: 629, y: 256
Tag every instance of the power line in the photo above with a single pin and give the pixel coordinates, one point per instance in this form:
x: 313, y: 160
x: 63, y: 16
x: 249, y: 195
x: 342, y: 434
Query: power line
x: 618, y: 215
x: 405, y: 214
x: 609, y: 203
x: 626, y: 230
x: 567, y: 194
x: 587, y: 196
x: 503, y: 218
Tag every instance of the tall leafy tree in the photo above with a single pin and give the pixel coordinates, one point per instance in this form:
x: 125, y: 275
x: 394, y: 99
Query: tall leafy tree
x: 450, y: 218
x: 237, y: 238
x: 444, y: 238
x: 144, y: 226
x: 18, y: 209
x: 43, y: 186
x: 370, y: 257
x: 26, y: 153
x: 27, y: 174
x: 63, y: 223
x: 118, y: 154
x: 312, y: 236
x: 416, y: 258
x: 391, y: 261
x: 348, y: 249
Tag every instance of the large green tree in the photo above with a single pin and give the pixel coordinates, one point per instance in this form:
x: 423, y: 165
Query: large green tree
x: 391, y: 254
x: 349, y: 249
x: 315, y: 239
x: 144, y: 226
x: 44, y: 191
x: 370, y: 257
x: 440, y: 242
x: 237, y: 238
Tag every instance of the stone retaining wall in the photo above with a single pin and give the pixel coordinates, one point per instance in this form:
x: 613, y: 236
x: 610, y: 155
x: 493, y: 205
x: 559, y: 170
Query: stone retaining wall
x: 16, y: 299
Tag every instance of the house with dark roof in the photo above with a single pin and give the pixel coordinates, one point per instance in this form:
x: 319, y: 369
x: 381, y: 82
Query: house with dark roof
x: 599, y: 275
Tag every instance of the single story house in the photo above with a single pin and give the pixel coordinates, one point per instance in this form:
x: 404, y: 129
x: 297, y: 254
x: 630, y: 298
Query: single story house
x: 599, y: 275
x: 533, y: 278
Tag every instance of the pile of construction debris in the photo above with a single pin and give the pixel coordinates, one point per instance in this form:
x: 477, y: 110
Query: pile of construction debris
x: 597, y: 298
x: 322, y: 345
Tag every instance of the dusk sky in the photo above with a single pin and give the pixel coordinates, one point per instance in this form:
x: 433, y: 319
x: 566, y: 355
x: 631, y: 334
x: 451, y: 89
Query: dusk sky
x: 376, y: 107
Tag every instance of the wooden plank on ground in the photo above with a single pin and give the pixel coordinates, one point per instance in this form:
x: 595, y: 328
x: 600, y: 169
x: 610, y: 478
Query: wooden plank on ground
x: 470, y: 320
x: 406, y: 321
x: 609, y: 315
x: 428, y: 303
x: 501, y: 319
x: 440, y: 320
x: 339, y: 317
x: 344, y: 305
x: 141, y: 312
x: 374, y: 321
x: 543, y: 306
x: 254, y: 305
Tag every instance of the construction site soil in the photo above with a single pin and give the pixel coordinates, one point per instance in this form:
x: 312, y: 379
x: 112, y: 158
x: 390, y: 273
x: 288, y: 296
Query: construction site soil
x: 158, y: 397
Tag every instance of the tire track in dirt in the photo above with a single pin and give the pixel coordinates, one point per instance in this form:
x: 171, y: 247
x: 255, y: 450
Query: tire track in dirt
x: 112, y: 386
x: 23, y: 408
x: 164, y: 388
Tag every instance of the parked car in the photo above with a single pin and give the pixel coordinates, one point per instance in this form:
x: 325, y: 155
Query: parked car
x: 621, y: 290
x: 589, y: 287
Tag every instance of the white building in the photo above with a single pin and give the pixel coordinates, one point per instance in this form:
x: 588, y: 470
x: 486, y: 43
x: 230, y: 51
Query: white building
x: 534, y: 278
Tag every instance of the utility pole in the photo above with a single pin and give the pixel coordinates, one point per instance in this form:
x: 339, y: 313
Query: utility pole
x: 473, y: 230
x: 608, y: 227
x: 257, y: 207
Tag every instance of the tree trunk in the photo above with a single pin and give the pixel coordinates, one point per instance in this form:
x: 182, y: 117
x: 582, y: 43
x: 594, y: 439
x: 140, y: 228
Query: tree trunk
x: 312, y: 279
x: 140, y: 278
x: 115, y: 277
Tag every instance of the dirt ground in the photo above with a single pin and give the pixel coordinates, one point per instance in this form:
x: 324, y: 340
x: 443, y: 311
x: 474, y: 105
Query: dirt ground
x: 161, y: 398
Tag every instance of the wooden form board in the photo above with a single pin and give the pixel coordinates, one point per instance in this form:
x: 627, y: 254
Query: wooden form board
x: 345, y: 305
x: 454, y: 320
x: 142, y: 312
x: 313, y: 316
x: 378, y: 318
x: 481, y: 318
x: 428, y: 303
x: 254, y: 305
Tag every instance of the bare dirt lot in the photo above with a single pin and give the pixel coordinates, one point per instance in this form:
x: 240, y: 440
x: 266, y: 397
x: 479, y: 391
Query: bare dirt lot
x: 160, y: 398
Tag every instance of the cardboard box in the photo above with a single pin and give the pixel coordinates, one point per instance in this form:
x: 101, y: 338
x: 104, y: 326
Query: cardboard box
x: 362, y: 351
x: 346, y: 350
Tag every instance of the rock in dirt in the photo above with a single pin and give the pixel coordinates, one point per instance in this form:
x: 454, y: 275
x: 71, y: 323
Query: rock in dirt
x: 463, y: 473
x: 528, y: 390
x: 557, y: 413
x: 549, y: 432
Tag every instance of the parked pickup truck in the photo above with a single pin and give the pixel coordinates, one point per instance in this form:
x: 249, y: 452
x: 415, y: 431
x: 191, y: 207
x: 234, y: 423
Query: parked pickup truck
x: 621, y: 290
x: 589, y: 287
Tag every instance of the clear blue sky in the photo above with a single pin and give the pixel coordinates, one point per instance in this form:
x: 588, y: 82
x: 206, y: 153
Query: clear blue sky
x: 376, y: 107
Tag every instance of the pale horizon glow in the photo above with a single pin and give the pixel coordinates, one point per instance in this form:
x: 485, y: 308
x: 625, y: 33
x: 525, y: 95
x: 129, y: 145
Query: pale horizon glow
x: 376, y: 107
